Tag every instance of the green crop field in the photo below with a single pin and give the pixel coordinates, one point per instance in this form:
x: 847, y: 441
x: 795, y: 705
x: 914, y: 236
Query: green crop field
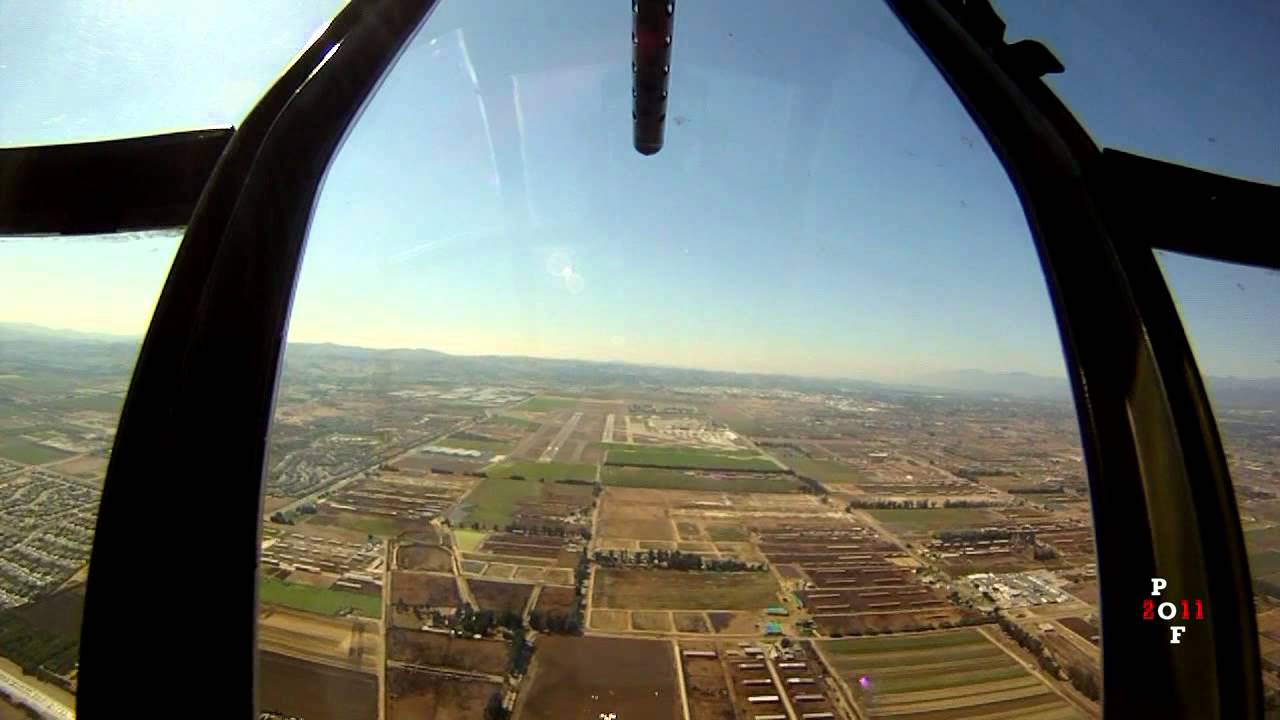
x: 513, y: 421
x: 468, y: 540
x: 476, y: 443
x: 21, y: 450
x: 670, y: 479
x: 826, y: 471
x: 545, y: 403
x: 493, y: 501
x: 322, y: 601
x: 550, y: 472
x: 103, y: 402
x: 678, y: 457
x: 913, y: 673
x: 718, y: 452
x: 727, y: 533
x: 927, y: 520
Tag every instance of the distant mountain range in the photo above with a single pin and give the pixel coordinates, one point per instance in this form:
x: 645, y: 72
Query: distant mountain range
x: 34, y: 345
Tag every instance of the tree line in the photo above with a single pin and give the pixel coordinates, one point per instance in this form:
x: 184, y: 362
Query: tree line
x: 673, y: 560
x: 919, y: 503
x: 1081, y: 676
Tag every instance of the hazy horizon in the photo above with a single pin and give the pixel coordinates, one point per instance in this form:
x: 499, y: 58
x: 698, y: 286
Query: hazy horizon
x: 919, y: 381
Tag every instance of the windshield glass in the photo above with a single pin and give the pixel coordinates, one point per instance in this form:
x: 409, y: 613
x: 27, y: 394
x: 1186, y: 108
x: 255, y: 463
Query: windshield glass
x: 75, y: 70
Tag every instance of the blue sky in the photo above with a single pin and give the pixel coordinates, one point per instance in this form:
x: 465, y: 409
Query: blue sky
x: 822, y: 206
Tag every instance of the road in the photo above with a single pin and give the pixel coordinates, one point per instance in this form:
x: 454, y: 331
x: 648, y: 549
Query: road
x: 684, y: 694
x: 26, y: 695
x: 389, y: 559
x: 781, y: 688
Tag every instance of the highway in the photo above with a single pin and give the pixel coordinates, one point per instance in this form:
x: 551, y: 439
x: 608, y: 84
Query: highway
x: 24, y: 694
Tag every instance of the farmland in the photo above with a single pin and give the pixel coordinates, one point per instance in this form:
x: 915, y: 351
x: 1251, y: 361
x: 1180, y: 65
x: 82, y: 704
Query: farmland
x: 923, y: 521
x: 492, y: 503
x: 441, y: 650
x: 576, y: 494
x: 706, y: 685
x: 500, y: 596
x: 468, y: 540
x: 424, y: 557
x: 272, y: 591
x: 423, y: 590
x: 673, y: 457
x: 20, y: 449
x: 414, y: 694
x: 581, y: 678
x: 635, y: 514
x: 300, y: 688
x: 556, y: 599
x: 829, y: 472
x: 548, y: 471
x: 932, y: 676
x: 677, y: 590
x: 351, y: 641
x: 671, y: 479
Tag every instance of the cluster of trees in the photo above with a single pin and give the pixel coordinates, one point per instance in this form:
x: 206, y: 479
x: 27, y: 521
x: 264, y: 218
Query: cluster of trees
x: 813, y: 485
x: 964, y: 503
x: 1044, y: 551
x: 890, y: 504
x: 494, y: 710
x: 280, y: 518
x: 1041, y: 489
x: 1083, y: 677
x: 521, y: 652
x: 557, y: 530
x: 580, y: 574
x: 673, y: 560
x: 973, y: 534
x: 1084, y: 680
x: 555, y: 622
x: 470, y: 621
x: 973, y: 473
